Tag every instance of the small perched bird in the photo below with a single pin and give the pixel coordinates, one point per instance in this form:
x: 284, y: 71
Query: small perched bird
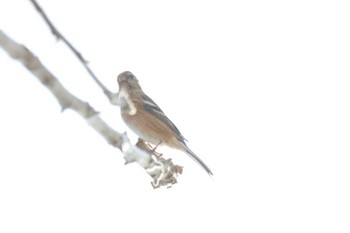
x: 144, y: 117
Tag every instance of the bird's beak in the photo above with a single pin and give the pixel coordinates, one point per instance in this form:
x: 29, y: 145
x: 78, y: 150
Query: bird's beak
x: 121, y: 78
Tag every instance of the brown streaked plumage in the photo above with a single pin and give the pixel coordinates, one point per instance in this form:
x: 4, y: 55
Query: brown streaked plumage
x: 145, y: 118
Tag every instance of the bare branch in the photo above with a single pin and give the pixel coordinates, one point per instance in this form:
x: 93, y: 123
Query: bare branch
x: 80, y: 57
x: 163, y: 172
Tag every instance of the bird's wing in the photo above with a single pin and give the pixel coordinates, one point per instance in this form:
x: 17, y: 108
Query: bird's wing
x: 153, y: 108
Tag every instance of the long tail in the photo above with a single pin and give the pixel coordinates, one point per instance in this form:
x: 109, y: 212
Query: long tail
x: 197, y: 159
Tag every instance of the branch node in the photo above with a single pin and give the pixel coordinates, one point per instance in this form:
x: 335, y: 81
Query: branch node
x: 64, y: 108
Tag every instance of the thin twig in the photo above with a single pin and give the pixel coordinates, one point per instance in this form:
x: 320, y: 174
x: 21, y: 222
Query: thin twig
x: 80, y: 57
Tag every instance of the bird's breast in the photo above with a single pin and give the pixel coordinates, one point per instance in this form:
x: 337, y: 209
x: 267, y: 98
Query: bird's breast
x: 148, y: 127
x: 141, y: 128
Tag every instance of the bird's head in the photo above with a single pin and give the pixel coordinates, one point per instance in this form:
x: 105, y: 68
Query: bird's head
x: 128, y: 81
x: 127, y: 76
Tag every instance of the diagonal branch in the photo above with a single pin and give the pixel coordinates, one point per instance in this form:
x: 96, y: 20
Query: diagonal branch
x: 80, y: 57
x: 163, y: 172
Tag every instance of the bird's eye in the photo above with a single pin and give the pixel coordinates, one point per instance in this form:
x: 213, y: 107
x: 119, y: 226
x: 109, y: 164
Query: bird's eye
x: 133, y: 77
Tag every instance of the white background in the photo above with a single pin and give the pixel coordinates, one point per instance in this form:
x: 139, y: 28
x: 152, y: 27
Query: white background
x: 260, y: 89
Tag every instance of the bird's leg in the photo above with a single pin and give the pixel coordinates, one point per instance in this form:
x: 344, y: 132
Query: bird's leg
x: 144, y: 145
x: 147, y: 146
x: 154, y: 148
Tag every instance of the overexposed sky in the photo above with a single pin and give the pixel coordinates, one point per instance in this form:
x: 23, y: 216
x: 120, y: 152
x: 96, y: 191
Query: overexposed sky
x: 259, y: 88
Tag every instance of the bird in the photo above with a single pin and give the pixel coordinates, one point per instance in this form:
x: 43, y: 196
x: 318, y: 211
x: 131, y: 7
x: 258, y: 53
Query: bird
x: 146, y: 119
